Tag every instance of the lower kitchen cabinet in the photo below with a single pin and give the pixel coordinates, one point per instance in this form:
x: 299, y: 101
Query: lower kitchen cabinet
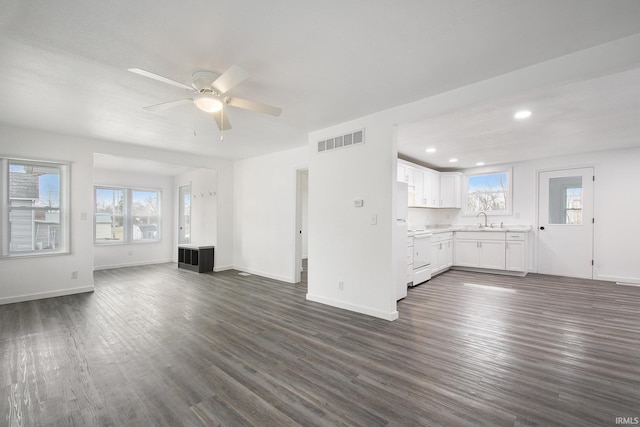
x: 441, y: 252
x: 480, y: 250
x: 516, y: 244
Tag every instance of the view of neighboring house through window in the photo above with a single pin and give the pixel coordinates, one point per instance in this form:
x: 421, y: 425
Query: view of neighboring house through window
x: 35, y: 215
x: 126, y: 215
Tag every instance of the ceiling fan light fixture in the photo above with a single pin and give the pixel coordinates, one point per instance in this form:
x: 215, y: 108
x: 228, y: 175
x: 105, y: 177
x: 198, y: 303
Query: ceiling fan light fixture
x: 208, y: 103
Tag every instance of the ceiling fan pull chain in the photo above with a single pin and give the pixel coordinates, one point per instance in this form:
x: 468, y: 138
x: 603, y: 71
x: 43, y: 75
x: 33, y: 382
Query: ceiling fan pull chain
x: 195, y: 111
x: 222, y: 121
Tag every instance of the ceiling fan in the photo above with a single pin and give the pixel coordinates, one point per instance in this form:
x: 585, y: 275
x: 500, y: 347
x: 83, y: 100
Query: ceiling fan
x: 209, y: 91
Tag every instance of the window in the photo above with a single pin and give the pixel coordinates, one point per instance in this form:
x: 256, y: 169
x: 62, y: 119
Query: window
x: 34, y: 210
x: 488, y: 192
x: 565, y: 200
x: 125, y: 215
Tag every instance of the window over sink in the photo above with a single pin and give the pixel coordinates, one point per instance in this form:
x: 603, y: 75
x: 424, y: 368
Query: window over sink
x: 489, y: 192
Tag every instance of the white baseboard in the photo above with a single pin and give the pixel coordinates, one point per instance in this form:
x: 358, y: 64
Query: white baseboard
x: 42, y: 295
x: 263, y: 274
x: 619, y: 279
x: 132, y: 264
x: 352, y: 307
x: 223, y: 268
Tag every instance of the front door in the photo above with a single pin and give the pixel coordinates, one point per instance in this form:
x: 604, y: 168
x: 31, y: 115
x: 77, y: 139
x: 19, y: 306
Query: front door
x: 565, y: 222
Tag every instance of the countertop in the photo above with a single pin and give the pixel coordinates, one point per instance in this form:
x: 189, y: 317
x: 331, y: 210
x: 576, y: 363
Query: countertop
x: 445, y: 229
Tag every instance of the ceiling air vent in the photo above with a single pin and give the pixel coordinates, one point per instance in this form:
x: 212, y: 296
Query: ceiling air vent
x: 341, y: 141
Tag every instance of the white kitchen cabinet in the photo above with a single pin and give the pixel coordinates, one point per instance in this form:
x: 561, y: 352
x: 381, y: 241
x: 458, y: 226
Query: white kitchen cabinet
x: 467, y: 253
x: 441, y: 252
x: 403, y: 172
x: 450, y: 190
x: 431, y: 188
x: 480, y: 249
x: 492, y: 254
x: 418, y: 188
x: 516, y: 251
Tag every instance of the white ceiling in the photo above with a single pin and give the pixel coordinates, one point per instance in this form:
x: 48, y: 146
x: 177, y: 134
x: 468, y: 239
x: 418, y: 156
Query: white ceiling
x: 63, y: 68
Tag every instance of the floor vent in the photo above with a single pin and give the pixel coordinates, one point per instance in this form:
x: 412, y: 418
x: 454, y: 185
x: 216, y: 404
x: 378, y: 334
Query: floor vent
x: 347, y: 140
x: 244, y: 274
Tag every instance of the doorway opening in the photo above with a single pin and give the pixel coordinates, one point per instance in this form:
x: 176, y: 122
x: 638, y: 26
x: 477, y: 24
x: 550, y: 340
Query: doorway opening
x: 302, y: 210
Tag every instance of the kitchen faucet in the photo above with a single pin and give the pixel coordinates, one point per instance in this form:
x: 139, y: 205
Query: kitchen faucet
x: 485, y: 218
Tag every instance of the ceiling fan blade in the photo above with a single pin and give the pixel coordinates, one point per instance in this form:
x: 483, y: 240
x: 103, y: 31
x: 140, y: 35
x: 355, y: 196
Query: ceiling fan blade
x: 254, y: 106
x: 160, y: 79
x: 221, y: 120
x: 230, y: 78
x: 170, y: 104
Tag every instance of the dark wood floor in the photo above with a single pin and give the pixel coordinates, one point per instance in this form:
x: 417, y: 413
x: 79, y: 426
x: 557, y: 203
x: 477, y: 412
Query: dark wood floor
x: 160, y: 346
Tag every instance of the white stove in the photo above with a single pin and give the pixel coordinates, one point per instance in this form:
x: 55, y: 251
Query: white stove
x: 421, y: 256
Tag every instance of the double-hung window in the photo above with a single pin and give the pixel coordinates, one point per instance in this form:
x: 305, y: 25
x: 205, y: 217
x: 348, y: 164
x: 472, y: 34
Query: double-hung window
x: 34, y: 208
x: 125, y: 215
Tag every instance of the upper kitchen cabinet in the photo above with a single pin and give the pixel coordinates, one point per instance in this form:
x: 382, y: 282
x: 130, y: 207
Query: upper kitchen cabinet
x: 405, y: 173
x: 429, y: 188
x: 450, y: 190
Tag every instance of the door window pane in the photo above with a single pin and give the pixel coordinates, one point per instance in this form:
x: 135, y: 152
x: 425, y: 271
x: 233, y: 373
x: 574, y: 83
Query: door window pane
x: 565, y: 200
x: 184, y: 215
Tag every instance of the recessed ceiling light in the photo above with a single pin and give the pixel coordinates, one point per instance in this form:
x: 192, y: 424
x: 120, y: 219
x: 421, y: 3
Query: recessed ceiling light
x: 522, y: 114
x: 453, y: 160
x: 430, y: 150
x: 480, y: 164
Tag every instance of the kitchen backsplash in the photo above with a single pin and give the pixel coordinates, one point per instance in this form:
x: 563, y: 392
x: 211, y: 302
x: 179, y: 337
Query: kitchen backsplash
x: 420, y: 217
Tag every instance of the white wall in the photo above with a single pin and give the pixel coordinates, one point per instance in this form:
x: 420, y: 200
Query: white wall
x: 617, y: 208
x: 40, y: 277
x: 204, y: 210
x: 341, y: 246
x: 344, y: 246
x: 224, y: 197
x: 265, y: 212
x: 421, y: 217
x: 33, y: 278
x: 122, y: 255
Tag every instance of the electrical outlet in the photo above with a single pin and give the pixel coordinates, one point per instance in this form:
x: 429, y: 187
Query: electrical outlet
x: 74, y: 274
x: 340, y: 285
x: 374, y: 219
x: 83, y: 216
x: 130, y: 252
